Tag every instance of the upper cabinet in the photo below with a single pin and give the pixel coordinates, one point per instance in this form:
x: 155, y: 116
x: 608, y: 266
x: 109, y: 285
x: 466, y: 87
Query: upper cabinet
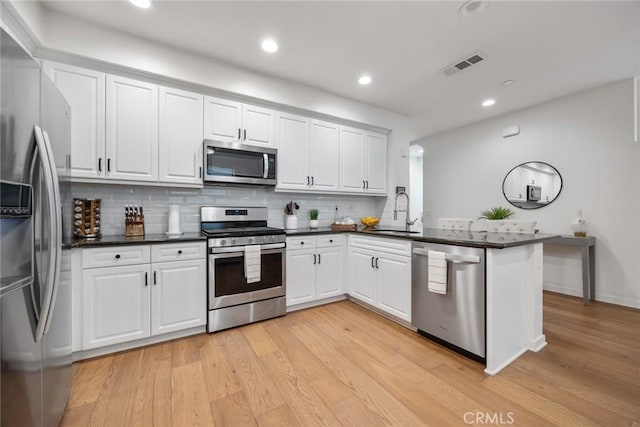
x: 363, y: 161
x: 180, y: 136
x: 232, y: 121
x: 132, y: 129
x: 308, y: 154
x: 84, y: 90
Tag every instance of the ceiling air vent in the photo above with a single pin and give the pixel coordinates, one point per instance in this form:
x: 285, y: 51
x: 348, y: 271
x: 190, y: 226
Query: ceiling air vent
x: 464, y: 63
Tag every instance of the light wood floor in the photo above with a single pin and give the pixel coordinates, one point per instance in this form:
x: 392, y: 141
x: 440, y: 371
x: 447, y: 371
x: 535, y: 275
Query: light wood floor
x: 342, y: 365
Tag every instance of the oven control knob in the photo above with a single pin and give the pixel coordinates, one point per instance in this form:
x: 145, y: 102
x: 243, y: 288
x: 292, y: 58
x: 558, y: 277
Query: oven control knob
x: 250, y: 240
x: 223, y: 242
x: 233, y: 241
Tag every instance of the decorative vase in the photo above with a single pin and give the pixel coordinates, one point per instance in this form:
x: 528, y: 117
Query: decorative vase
x: 579, y: 226
x: 313, y: 223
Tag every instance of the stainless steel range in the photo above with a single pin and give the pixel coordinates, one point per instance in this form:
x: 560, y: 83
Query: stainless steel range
x: 246, y: 268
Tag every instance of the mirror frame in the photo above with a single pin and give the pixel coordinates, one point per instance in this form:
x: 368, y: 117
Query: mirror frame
x: 525, y: 163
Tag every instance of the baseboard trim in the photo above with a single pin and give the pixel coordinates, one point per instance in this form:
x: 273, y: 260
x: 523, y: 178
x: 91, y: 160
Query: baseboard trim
x: 115, y: 348
x: 610, y: 299
x: 316, y: 303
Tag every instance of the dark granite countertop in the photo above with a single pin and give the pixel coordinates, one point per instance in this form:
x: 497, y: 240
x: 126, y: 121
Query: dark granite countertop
x: 122, y: 240
x: 478, y: 239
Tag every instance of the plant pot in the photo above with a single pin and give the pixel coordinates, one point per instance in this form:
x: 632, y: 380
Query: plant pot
x: 313, y: 223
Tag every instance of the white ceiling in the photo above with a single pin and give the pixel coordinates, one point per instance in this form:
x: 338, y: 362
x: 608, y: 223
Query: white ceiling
x: 548, y: 48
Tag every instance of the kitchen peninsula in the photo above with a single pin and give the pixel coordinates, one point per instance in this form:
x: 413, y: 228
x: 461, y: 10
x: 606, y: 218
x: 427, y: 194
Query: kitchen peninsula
x: 512, y: 273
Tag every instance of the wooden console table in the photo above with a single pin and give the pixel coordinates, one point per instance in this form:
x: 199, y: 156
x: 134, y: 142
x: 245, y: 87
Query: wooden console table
x: 587, y: 247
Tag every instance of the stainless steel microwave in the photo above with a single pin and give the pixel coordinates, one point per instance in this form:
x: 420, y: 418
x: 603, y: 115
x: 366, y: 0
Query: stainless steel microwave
x: 237, y: 163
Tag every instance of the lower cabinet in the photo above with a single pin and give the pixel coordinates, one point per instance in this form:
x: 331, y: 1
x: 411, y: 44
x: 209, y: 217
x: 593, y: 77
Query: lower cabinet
x: 128, y: 302
x: 380, y: 274
x: 315, y: 268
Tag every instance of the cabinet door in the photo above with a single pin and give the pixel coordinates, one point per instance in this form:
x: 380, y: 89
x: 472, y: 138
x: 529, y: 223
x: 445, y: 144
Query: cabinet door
x: 324, y: 151
x: 329, y: 278
x: 293, y: 152
x: 84, y: 90
x: 351, y: 160
x: 395, y: 285
x: 222, y: 119
x: 178, y: 296
x: 376, y: 163
x: 362, y: 275
x: 132, y: 130
x: 180, y: 137
x: 115, y: 305
x: 258, y: 126
x: 301, y: 276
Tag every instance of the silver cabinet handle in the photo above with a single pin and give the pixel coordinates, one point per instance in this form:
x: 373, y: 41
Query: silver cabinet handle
x: 456, y: 259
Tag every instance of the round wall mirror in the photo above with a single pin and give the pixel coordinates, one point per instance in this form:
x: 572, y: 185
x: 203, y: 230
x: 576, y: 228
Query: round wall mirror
x: 532, y: 185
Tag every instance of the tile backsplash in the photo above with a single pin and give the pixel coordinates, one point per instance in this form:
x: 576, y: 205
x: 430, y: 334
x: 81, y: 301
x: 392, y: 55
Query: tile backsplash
x: 156, y: 201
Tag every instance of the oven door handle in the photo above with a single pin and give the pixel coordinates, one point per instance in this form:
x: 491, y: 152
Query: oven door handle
x: 240, y: 249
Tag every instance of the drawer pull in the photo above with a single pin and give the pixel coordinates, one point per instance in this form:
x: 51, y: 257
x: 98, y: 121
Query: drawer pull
x: 117, y: 256
x: 180, y: 252
x: 330, y: 240
x: 302, y: 243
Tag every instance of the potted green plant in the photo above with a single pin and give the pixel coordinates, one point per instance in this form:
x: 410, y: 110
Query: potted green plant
x: 496, y: 213
x: 313, y: 218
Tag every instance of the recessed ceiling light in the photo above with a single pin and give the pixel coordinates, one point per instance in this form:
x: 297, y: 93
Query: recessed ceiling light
x: 472, y: 7
x: 143, y: 4
x: 488, y: 102
x: 507, y: 82
x: 364, y: 80
x: 269, y: 45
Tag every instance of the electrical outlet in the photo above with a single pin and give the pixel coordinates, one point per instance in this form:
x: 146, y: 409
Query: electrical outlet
x: 401, y: 189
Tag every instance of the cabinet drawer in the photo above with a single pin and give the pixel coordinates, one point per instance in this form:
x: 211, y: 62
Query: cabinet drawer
x: 115, y: 256
x: 330, y: 240
x: 178, y: 251
x: 304, y: 242
x: 390, y: 246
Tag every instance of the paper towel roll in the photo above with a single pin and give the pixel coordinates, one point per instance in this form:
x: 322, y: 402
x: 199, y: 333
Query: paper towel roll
x: 174, y: 219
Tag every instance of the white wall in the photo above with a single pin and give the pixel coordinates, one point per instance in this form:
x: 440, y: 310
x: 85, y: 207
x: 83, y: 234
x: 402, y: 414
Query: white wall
x: 588, y: 137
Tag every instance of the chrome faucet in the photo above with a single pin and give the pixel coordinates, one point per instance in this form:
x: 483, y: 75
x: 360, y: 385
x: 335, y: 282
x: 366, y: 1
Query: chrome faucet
x: 408, y: 222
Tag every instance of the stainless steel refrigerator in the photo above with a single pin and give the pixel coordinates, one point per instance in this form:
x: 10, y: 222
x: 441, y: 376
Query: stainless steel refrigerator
x: 35, y: 222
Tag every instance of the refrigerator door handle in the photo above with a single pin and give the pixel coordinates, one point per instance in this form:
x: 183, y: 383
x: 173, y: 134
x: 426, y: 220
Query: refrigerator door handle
x: 57, y: 207
x: 43, y: 155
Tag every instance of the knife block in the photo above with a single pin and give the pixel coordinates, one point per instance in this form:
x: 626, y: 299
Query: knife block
x: 134, y: 228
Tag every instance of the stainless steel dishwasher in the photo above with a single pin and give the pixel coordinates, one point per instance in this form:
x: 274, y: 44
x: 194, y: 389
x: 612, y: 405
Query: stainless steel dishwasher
x: 455, y: 319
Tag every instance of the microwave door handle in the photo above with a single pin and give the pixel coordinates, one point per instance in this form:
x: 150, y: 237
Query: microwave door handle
x: 265, y: 159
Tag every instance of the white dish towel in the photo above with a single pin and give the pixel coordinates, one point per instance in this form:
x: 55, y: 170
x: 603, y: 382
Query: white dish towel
x: 252, y: 263
x: 437, y: 272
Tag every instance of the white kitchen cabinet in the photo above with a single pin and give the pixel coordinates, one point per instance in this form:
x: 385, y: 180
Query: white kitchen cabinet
x: 293, y: 152
x: 127, y: 295
x: 395, y: 284
x: 363, y: 161
x: 180, y: 136
x: 324, y: 152
x: 84, y: 90
x: 300, y: 276
x: 308, y: 153
x: 131, y: 129
x: 362, y: 275
x: 315, y: 268
x: 115, y: 305
x: 352, y: 160
x: 380, y: 274
x: 178, y: 296
x: 231, y: 121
